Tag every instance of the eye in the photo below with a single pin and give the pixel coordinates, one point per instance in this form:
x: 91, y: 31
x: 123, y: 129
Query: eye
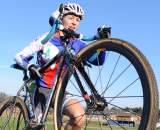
x: 78, y: 19
x: 70, y: 17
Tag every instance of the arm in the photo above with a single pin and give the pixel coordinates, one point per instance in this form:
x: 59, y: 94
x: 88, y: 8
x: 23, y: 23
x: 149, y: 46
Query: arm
x: 97, y: 58
x: 34, y: 46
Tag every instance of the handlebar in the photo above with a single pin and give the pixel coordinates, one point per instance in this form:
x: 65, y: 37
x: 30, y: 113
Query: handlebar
x: 70, y: 33
x: 57, y: 25
x: 41, y: 69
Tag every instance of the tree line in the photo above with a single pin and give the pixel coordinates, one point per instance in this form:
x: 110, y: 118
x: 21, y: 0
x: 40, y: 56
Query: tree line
x: 2, y: 96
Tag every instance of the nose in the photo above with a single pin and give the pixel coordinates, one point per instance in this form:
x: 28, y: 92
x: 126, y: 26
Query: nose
x: 74, y: 22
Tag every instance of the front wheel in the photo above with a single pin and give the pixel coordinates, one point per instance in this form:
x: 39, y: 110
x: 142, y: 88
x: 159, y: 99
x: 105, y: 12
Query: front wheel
x: 125, y: 83
x: 13, y: 114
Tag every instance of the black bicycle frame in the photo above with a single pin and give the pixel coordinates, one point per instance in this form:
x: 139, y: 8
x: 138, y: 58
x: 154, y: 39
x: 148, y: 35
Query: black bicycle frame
x: 67, y: 59
x: 60, y: 56
x: 91, y: 86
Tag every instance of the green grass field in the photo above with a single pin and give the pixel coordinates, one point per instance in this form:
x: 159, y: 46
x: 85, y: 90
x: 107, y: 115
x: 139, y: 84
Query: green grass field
x: 92, y: 125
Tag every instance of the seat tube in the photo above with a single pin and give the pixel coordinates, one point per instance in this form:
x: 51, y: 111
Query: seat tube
x: 53, y: 89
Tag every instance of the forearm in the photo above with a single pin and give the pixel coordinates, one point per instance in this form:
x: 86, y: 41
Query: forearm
x: 21, y: 57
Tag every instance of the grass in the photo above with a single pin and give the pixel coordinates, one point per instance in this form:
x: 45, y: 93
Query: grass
x: 92, y: 125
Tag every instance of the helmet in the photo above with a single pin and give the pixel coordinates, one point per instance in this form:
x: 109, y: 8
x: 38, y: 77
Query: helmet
x: 70, y: 8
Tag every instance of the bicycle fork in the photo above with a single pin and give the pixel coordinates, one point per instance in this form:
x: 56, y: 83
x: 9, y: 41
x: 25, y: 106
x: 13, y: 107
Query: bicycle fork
x: 93, y: 101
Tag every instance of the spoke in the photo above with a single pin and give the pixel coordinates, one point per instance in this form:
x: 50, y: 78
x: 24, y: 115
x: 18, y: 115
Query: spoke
x: 106, y: 116
x: 14, y: 118
x: 87, y: 122
x: 74, y: 118
x: 136, y: 114
x: 114, y: 122
x: 75, y: 95
x: 109, y: 124
x: 73, y: 103
x: 125, y: 97
x: 8, y: 118
x: 100, y: 124
x: 112, y: 74
x: 108, y: 86
x: 20, y: 120
x: 75, y: 87
x: 100, y: 71
x: 90, y: 116
x: 87, y: 68
x: 124, y: 89
x: 99, y: 77
x: 99, y: 74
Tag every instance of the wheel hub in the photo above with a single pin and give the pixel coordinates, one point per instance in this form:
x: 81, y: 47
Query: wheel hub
x: 97, y: 104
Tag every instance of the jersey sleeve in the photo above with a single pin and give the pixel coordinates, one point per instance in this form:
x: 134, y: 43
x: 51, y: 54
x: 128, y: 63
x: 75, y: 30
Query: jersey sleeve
x: 97, y: 58
x: 78, y: 45
x: 21, y: 58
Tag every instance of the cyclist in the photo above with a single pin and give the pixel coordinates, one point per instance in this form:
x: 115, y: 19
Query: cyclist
x: 70, y: 18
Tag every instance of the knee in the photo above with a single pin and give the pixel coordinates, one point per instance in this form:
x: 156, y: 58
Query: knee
x: 79, y: 120
x: 76, y: 113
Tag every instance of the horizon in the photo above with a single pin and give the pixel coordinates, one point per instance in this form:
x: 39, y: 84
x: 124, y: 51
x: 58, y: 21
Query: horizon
x: 22, y: 21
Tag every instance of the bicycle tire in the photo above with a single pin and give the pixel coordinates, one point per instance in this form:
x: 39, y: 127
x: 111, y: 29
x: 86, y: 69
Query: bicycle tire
x: 13, y: 114
x: 149, y: 114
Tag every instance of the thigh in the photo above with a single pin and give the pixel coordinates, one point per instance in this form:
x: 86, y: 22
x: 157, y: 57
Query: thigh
x: 40, y: 97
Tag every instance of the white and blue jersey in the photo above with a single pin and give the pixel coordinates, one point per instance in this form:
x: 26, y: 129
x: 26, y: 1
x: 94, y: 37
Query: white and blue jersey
x: 50, y: 50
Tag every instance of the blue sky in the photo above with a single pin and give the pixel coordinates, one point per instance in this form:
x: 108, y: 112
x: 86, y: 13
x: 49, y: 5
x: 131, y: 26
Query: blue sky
x: 136, y: 21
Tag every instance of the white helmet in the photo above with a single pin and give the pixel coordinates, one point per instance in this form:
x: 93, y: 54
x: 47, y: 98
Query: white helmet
x: 73, y: 8
x: 64, y: 9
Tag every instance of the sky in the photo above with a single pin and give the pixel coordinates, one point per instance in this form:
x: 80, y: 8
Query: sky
x: 21, y: 21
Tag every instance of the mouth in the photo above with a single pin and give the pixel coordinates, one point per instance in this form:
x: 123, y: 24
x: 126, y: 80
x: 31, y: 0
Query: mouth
x: 72, y: 28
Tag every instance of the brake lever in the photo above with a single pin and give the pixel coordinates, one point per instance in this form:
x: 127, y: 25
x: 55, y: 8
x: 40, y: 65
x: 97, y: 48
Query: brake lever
x: 70, y: 33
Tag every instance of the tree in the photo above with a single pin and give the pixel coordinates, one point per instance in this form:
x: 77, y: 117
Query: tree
x: 2, y: 96
x: 137, y: 110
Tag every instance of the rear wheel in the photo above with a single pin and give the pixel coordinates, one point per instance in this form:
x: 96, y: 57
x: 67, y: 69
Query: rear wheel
x: 125, y: 83
x: 13, y: 114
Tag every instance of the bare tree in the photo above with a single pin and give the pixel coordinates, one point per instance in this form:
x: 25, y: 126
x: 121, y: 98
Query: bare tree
x: 2, y: 96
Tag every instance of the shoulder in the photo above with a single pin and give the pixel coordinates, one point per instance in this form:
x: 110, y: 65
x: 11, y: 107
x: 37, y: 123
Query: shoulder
x: 79, y: 43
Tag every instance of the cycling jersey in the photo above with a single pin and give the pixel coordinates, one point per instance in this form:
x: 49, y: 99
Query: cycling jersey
x: 49, y: 50
x: 45, y: 53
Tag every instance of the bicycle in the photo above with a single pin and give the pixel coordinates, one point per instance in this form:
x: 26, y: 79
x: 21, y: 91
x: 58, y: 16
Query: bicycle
x: 98, y: 89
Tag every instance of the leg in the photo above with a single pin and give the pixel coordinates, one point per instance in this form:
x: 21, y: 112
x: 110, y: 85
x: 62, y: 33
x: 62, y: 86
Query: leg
x: 40, y: 98
x: 75, y: 111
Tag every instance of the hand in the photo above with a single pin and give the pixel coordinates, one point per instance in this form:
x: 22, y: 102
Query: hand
x: 33, y: 71
x: 104, y: 32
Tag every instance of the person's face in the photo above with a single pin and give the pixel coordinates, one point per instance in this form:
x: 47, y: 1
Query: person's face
x: 71, y: 22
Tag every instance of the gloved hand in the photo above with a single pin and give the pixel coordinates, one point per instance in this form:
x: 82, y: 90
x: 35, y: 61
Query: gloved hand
x: 103, y: 32
x: 33, y: 71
